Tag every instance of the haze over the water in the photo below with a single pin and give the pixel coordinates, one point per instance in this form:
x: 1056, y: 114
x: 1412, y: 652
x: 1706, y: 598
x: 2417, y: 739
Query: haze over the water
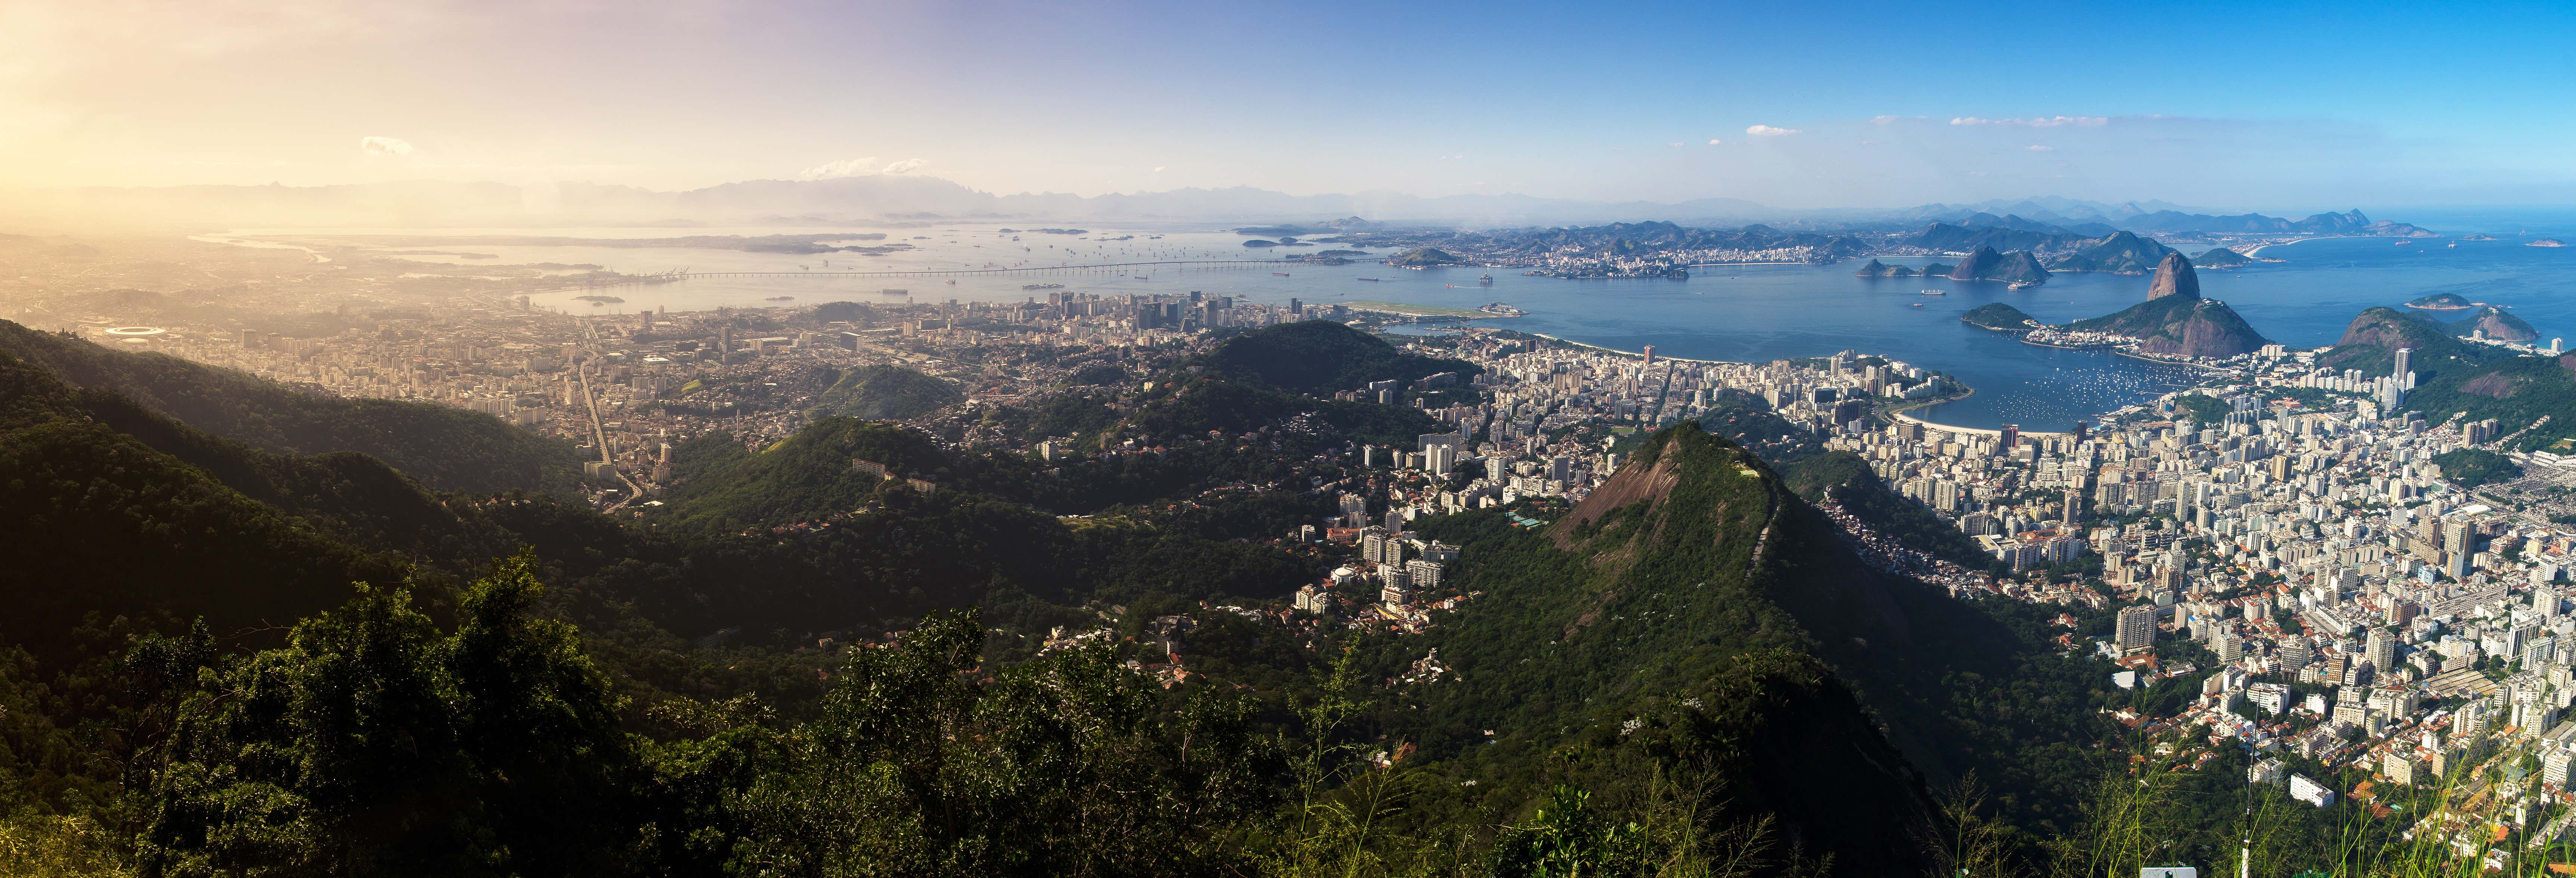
x: 2287, y: 111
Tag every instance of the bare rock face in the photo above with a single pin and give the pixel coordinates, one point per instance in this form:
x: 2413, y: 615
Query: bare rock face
x: 2174, y: 277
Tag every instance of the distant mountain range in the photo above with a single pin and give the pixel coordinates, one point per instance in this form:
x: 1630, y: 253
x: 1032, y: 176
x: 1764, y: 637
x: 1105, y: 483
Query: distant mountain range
x: 885, y: 197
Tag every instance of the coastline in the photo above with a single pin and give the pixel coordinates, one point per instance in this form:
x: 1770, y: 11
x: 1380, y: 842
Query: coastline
x: 1637, y: 354
x: 2258, y: 248
x: 2025, y: 339
x: 1403, y: 310
x: 2125, y: 353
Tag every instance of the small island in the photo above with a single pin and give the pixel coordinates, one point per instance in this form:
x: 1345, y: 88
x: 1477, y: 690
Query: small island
x: 1423, y: 256
x: 1259, y: 242
x: 2000, y: 317
x: 2547, y: 242
x: 2018, y: 268
x: 2442, y: 302
x: 600, y: 300
x: 2473, y: 236
x: 2221, y: 257
x: 1876, y: 268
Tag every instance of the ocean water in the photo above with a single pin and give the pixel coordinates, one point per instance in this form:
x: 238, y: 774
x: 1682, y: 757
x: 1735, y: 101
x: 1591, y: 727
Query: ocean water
x: 1745, y: 313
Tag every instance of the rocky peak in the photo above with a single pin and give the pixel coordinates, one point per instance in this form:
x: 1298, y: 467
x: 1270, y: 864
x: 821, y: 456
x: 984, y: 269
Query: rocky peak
x: 2174, y: 277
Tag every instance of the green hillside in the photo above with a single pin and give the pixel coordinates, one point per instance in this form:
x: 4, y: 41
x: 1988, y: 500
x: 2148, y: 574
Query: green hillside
x: 2457, y: 378
x: 887, y: 393
x: 1423, y: 256
x: 2370, y: 344
x: 1696, y: 574
x: 2497, y: 323
x: 1311, y: 356
x: 2017, y: 266
x: 2185, y: 325
x: 442, y: 446
x: 1997, y: 315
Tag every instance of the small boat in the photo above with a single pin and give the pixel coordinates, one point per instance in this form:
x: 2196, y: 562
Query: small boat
x: 1370, y: 279
x: 1918, y: 304
x: 1487, y: 280
x: 952, y: 281
x: 1279, y: 274
x: 1936, y: 292
x: 1453, y: 286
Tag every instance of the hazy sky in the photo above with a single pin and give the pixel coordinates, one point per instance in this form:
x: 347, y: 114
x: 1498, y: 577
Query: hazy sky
x: 1798, y: 104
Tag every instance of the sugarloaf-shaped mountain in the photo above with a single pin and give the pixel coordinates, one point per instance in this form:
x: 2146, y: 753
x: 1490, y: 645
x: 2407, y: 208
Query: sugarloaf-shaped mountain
x: 2174, y: 277
x: 2181, y: 324
x: 2017, y: 267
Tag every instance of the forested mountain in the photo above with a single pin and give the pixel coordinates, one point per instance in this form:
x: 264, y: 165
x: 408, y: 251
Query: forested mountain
x: 887, y: 393
x: 2180, y: 324
x: 1690, y: 668
x: 1320, y: 355
x: 444, y: 447
x: 2057, y: 249
x: 2017, y: 267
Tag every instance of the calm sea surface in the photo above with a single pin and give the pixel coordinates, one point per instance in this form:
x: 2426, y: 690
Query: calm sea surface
x: 1746, y: 313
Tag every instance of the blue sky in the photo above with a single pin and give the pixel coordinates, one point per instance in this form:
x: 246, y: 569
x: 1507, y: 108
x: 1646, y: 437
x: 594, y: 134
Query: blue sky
x: 2284, y: 107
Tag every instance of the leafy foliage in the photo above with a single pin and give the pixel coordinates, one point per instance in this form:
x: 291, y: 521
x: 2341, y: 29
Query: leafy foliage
x: 2471, y: 467
x: 372, y: 744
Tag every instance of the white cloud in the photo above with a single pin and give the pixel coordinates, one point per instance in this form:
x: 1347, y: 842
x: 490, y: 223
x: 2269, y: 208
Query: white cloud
x: 2038, y: 121
x: 1714, y: 141
x: 392, y: 146
x: 863, y: 166
x: 1158, y: 169
x: 1674, y: 143
x: 2040, y: 148
x: 1882, y: 120
x: 1768, y: 131
x: 842, y: 168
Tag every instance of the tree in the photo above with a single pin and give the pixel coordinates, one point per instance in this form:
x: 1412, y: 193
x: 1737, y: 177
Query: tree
x: 1069, y: 765
x: 372, y: 744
